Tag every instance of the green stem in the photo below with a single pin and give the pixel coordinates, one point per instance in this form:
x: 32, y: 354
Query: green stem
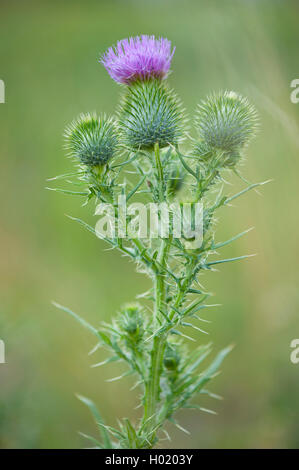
x: 210, y: 176
x: 152, y: 390
x: 184, y: 287
x: 158, y: 163
x: 152, y: 386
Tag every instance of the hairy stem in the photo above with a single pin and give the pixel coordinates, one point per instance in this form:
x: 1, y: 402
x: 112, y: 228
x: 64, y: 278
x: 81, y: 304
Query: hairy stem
x: 152, y: 388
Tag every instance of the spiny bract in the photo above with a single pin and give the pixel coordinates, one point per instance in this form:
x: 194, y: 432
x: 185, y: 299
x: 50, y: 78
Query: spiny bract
x: 131, y: 319
x: 91, y: 139
x: 225, y: 121
x: 150, y: 113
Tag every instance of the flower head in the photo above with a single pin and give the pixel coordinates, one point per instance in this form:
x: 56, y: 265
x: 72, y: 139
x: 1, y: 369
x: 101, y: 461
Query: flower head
x: 91, y: 139
x: 226, y: 121
x: 131, y: 324
x: 139, y: 58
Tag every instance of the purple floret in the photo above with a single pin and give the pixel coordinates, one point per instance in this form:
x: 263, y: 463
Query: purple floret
x: 138, y: 58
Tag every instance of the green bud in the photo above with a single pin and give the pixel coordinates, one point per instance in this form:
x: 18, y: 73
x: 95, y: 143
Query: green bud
x: 131, y: 321
x: 91, y: 139
x: 171, y: 357
x: 150, y: 113
x: 226, y: 122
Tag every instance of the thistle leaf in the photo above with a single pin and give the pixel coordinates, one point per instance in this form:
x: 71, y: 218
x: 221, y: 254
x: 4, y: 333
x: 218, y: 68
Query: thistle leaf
x: 200, y: 408
x: 252, y: 186
x: 92, y: 439
x: 83, y: 322
x: 98, y: 419
x: 220, y: 261
x: 66, y: 191
x: 227, y: 242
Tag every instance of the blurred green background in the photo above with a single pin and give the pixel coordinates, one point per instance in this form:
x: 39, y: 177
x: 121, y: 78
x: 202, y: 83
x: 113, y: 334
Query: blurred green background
x: 49, y: 61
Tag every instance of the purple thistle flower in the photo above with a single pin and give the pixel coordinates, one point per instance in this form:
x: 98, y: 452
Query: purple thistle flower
x: 139, y: 58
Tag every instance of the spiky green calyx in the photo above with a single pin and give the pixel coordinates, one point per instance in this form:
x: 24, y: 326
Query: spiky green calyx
x: 91, y: 139
x: 171, y: 357
x: 226, y: 122
x: 150, y: 113
x: 131, y: 322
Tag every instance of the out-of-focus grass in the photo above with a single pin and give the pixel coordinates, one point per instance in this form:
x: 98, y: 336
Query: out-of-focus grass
x: 49, y: 61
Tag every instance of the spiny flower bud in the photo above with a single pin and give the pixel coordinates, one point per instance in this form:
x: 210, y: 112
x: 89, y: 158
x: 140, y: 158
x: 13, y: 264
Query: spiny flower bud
x: 91, y: 139
x: 139, y: 58
x: 225, y: 122
x: 131, y: 322
x: 171, y: 357
x: 150, y: 113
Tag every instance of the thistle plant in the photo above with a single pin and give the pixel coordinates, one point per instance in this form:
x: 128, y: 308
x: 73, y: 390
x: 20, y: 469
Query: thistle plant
x: 149, y: 137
